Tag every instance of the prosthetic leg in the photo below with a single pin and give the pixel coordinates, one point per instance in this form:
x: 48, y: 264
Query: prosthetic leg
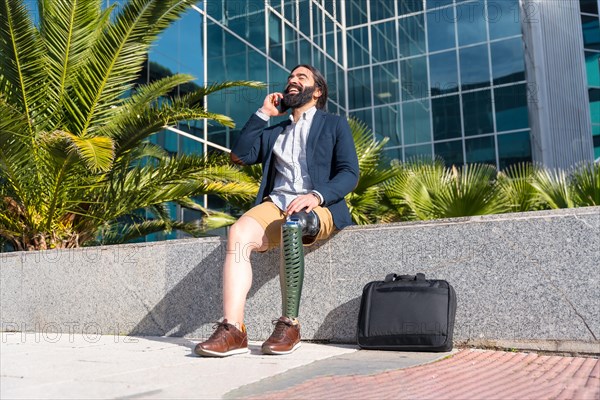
x: 298, y: 226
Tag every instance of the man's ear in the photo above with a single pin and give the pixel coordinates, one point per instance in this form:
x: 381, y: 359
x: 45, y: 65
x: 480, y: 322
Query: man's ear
x: 317, y: 93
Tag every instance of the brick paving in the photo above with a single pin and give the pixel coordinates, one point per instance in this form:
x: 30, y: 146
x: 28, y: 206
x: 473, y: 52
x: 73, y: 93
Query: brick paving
x: 469, y: 374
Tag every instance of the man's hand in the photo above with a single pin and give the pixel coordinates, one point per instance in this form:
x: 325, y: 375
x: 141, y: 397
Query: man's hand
x: 304, y: 202
x: 271, y: 103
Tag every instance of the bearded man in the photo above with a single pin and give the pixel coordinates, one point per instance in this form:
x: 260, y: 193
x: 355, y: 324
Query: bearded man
x: 309, y: 164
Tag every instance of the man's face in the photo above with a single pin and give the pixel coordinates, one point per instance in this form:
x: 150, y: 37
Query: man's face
x: 300, y: 89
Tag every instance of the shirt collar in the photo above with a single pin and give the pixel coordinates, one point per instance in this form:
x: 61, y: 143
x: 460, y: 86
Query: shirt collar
x: 306, y: 115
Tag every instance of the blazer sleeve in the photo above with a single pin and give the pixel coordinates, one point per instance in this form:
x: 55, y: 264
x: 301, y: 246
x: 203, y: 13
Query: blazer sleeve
x: 345, y: 172
x: 247, y: 149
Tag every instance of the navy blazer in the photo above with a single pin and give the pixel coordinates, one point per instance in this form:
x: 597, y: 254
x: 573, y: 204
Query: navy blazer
x: 330, y: 156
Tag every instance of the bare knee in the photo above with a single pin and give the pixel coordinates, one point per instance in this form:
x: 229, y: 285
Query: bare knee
x: 246, y: 233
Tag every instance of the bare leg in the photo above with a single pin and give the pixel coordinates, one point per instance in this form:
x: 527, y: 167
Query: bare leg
x: 245, y: 236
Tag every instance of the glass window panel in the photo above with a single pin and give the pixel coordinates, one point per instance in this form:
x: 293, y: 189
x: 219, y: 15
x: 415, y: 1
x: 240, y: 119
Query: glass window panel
x: 304, y: 17
x: 332, y: 82
x: 481, y: 150
x: 383, y: 39
x: 416, y: 122
x: 385, y: 83
x: 387, y: 124
x: 356, y: 13
x: 443, y: 73
x: 422, y: 152
x: 440, y: 29
x: 330, y: 37
x: 275, y: 38
x: 317, y: 32
x: 471, y: 23
x: 364, y: 116
x: 414, y: 78
x: 329, y: 6
x: 514, y: 148
x: 305, y: 51
x: 358, y: 47
x: 508, y: 61
x: 412, y: 35
x: 291, y: 47
x: 391, y: 155
x: 589, y: 6
x: 591, y: 32
x: 289, y: 11
x: 278, y: 77
x: 381, y: 9
x: 359, y: 88
x: 478, y: 113
x: 437, y: 3
x: 592, y: 66
x: 474, y: 67
x: 450, y: 152
x: 409, y: 6
x: 503, y: 18
x: 595, y: 105
x: 446, y: 117
x: 511, y: 107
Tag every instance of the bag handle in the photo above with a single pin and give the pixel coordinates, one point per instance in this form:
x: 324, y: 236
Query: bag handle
x: 393, y: 277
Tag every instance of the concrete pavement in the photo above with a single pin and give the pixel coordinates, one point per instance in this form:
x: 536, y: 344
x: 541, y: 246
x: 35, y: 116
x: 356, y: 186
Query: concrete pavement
x: 62, y: 366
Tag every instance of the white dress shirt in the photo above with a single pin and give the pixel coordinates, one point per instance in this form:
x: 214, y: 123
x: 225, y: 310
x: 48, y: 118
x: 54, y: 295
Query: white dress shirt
x: 289, y: 157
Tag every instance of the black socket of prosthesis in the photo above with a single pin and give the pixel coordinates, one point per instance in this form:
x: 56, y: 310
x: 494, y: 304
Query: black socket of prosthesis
x: 308, y: 221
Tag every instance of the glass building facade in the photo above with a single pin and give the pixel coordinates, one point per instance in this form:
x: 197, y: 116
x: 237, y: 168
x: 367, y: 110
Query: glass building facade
x: 590, y: 24
x: 440, y: 78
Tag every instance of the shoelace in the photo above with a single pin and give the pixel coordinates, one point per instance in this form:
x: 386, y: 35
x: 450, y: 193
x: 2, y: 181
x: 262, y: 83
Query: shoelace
x: 219, y: 328
x: 280, y: 327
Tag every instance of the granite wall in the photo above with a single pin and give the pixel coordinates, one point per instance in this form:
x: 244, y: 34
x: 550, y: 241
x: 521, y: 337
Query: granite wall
x: 527, y: 280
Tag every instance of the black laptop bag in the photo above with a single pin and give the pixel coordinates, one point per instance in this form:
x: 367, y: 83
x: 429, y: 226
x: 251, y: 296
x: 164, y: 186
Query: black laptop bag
x: 407, y: 313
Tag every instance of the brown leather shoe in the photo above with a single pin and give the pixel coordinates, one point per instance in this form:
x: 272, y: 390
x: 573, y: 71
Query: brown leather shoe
x: 225, y: 341
x: 284, y: 339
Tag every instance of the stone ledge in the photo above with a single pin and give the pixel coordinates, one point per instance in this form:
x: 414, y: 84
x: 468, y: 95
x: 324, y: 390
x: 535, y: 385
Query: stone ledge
x: 519, y: 277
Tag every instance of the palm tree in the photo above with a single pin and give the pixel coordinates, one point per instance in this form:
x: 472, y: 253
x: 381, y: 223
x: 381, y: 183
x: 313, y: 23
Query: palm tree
x: 517, y: 187
x: 75, y: 163
x: 367, y: 202
x: 429, y: 190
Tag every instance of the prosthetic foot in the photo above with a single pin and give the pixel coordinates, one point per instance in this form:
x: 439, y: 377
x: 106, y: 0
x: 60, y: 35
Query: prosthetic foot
x: 298, y: 226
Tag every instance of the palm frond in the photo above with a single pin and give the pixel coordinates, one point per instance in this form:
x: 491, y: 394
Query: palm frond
x: 585, y: 184
x: 68, y: 29
x: 117, y: 58
x: 553, y: 188
x: 515, y: 184
x: 21, y: 69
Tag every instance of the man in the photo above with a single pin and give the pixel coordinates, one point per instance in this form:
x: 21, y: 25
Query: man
x: 309, y: 165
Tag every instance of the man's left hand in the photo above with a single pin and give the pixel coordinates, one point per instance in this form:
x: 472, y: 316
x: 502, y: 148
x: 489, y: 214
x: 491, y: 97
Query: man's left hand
x: 304, y: 202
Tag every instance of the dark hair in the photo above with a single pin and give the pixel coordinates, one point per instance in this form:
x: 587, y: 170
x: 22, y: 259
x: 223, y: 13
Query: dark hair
x: 319, y: 82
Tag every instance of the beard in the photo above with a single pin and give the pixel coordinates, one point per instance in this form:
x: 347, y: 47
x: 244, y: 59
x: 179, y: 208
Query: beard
x: 299, y: 99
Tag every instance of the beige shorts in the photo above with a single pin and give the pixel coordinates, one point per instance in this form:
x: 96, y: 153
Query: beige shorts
x: 270, y: 217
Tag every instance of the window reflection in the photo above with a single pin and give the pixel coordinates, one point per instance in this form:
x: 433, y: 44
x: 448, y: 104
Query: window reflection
x: 450, y: 152
x: 440, y: 29
x: 470, y: 18
x: 384, y: 42
x: 508, y: 63
x: 414, y: 78
x: 478, y: 113
x: 511, y: 107
x: 443, y: 73
x: 503, y: 18
x: 416, y: 122
x: 481, y: 150
x: 474, y: 67
x: 359, y: 88
x: 412, y: 35
x: 514, y: 148
x: 387, y: 124
x: 386, y: 84
x: 446, y: 117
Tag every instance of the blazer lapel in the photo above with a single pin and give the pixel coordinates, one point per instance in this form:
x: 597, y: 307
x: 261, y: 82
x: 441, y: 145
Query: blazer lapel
x: 315, y: 132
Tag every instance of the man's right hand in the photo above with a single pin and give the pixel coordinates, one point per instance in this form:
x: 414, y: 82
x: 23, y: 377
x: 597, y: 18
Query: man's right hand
x: 271, y: 103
